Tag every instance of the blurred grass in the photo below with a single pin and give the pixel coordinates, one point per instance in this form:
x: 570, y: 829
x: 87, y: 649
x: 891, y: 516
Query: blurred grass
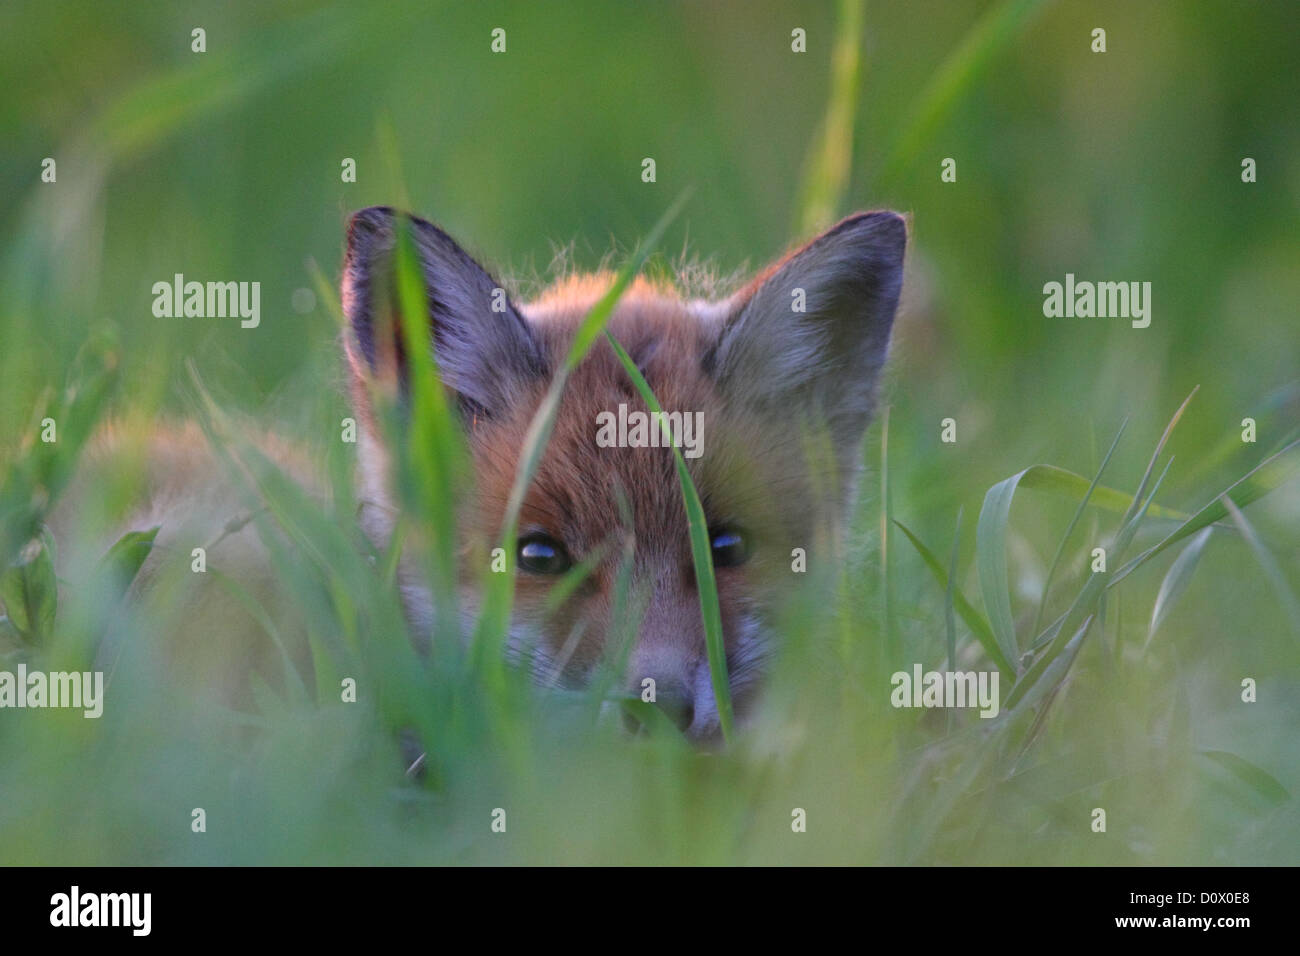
x: 226, y: 166
x: 827, y: 178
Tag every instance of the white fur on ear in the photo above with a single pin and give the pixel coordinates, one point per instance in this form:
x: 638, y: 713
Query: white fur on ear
x: 814, y: 328
x: 485, y: 348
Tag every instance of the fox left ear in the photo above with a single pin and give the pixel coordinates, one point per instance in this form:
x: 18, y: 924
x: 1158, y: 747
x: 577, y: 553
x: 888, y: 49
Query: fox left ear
x: 812, y: 331
x: 486, y: 351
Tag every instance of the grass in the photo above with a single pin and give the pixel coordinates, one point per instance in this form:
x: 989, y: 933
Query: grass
x: 1121, y: 689
x: 701, y: 552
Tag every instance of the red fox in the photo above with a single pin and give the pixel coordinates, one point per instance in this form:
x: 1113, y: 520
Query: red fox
x: 796, y: 352
x: 773, y: 388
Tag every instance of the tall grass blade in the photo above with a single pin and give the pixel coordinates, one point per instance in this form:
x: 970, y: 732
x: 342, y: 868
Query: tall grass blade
x: 435, y: 451
x: 701, y: 550
x: 1085, y: 604
x: 1065, y: 538
x: 1269, y: 474
x: 1049, y: 679
x: 1069, y: 484
x: 1176, y: 581
x: 499, y: 595
x: 1269, y: 563
x: 950, y: 626
x: 955, y: 78
x: 122, y: 562
x: 991, y: 562
x: 1155, y: 455
x: 1261, y: 781
x: 974, y: 620
x: 830, y: 157
x: 886, y: 606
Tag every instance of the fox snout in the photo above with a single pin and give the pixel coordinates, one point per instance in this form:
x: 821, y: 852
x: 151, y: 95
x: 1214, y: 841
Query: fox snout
x: 679, y: 684
x: 770, y: 391
x: 669, y: 667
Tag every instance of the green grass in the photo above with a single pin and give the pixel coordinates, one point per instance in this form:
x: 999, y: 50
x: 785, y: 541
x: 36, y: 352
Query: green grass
x: 701, y: 552
x: 1120, y: 689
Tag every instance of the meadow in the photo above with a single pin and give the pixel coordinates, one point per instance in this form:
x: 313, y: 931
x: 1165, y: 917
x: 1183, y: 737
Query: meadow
x: 1163, y: 689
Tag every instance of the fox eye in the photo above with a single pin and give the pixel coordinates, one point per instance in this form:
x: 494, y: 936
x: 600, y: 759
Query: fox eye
x: 730, y: 547
x: 542, y: 554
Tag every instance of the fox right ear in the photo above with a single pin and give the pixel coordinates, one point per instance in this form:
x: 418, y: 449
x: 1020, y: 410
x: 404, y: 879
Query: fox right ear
x: 486, y: 351
x: 813, y: 330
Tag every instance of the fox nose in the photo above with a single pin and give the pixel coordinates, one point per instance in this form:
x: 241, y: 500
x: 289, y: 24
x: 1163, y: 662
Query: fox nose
x: 677, y: 707
x: 679, y: 684
x: 691, y: 707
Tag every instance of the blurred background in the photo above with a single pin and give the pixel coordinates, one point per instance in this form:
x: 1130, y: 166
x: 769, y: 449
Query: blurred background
x: 1123, y: 166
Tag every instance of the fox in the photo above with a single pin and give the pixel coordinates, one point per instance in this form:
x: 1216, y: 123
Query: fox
x: 782, y: 376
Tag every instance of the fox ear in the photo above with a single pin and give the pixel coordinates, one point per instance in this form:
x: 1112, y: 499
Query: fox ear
x: 812, y: 330
x: 485, y: 349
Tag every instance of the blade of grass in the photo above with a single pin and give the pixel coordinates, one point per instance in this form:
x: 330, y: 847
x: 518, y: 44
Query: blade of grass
x: 435, y: 443
x: 829, y: 157
x: 1065, y: 538
x: 954, y: 79
x: 1048, y: 680
x: 1264, y: 410
x: 974, y: 620
x: 991, y: 549
x: 701, y: 550
x: 1262, y: 782
x: 572, y: 579
x: 950, y: 626
x: 393, y: 553
x: 653, y: 719
x: 949, y: 623
x: 1155, y: 455
x: 499, y: 597
x: 886, y: 609
x: 1070, y: 484
x: 627, y: 606
x: 29, y: 590
x: 991, y: 562
x: 1269, y: 564
x: 990, y: 536
x: 1175, y: 582
x: 1273, y: 471
x: 326, y: 293
x: 38, y: 477
x: 1085, y: 604
x: 123, y: 560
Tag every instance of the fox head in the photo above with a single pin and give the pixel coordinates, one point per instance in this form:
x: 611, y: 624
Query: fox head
x: 779, y: 379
